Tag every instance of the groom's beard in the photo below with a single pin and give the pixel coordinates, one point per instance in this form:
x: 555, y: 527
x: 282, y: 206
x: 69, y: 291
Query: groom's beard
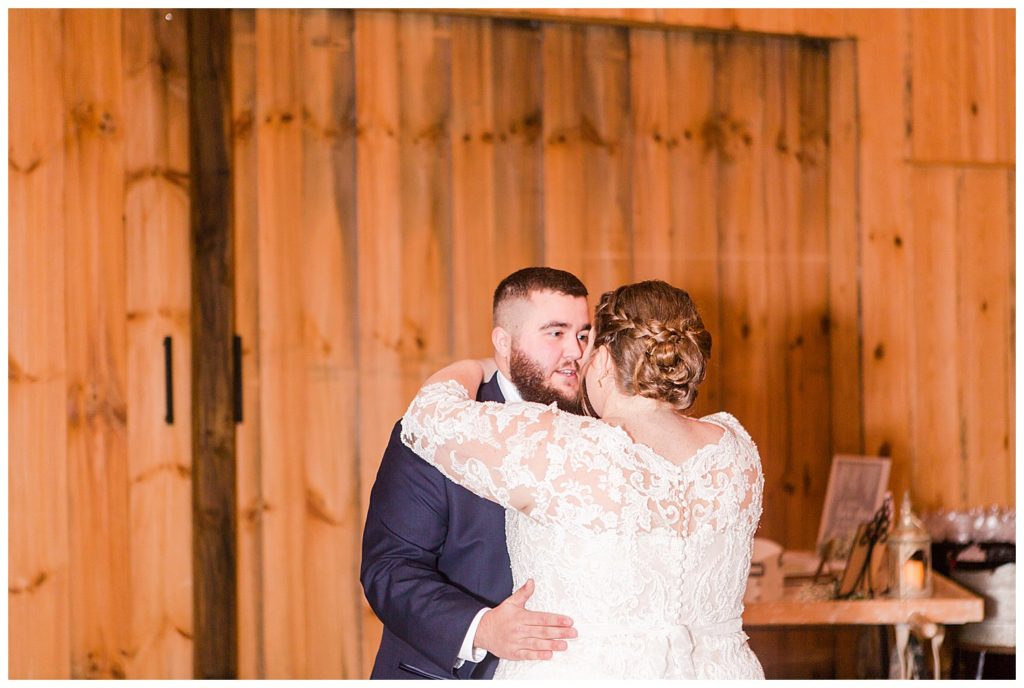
x: 528, y: 377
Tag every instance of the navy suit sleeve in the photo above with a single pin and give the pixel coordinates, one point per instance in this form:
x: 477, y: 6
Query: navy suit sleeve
x: 406, y: 526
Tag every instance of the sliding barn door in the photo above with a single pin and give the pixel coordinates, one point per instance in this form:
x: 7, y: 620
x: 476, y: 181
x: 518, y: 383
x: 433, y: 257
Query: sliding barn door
x: 392, y: 167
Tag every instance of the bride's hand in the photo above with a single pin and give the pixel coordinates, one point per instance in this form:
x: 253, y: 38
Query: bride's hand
x: 489, y: 366
x: 469, y: 373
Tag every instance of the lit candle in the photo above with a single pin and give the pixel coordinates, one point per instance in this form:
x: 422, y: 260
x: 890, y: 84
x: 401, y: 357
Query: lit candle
x: 913, y: 574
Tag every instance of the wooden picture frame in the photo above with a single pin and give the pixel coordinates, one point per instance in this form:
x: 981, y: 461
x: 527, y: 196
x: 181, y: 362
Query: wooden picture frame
x: 856, y: 489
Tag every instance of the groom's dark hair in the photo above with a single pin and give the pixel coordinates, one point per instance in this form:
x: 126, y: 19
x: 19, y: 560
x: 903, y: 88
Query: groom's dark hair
x: 521, y: 283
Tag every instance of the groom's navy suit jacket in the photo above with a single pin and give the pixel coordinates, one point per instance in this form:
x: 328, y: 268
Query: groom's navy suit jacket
x: 434, y: 554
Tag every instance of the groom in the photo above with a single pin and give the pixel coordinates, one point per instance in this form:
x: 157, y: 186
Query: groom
x: 435, y: 566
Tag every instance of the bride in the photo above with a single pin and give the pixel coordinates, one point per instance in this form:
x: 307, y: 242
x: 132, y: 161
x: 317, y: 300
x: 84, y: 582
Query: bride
x: 639, y: 525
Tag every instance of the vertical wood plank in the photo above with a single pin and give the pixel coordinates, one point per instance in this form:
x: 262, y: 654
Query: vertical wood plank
x: 743, y: 358
x: 778, y: 134
x: 405, y: 215
x: 962, y: 75
x: 808, y: 332
x: 331, y: 591
x: 496, y: 155
x: 250, y: 503
x: 846, y: 402
x: 473, y: 137
x: 283, y: 444
x: 980, y: 100
x: 379, y: 233
x: 1010, y: 470
x: 1004, y: 68
x: 939, y: 477
x: 214, y: 553
x: 98, y: 470
x: 650, y: 183
x: 39, y: 617
x: 604, y: 114
x: 156, y: 226
x: 425, y: 194
x: 985, y: 281
x: 564, y: 192
x: 518, y: 150
x: 693, y: 181
x: 885, y: 228
x: 586, y: 157
x: 795, y: 167
x: 938, y: 72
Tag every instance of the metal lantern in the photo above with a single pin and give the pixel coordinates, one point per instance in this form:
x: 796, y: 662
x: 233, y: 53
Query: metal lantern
x: 910, y: 555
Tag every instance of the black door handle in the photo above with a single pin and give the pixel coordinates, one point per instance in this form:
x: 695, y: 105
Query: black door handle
x: 236, y: 347
x: 168, y: 381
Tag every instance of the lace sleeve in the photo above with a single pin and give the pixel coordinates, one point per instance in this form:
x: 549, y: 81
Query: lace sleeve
x: 727, y: 493
x: 751, y: 478
x: 496, y: 451
x: 546, y: 463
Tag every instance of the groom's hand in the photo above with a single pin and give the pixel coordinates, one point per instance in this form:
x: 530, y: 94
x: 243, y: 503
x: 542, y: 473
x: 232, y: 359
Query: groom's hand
x: 511, y: 631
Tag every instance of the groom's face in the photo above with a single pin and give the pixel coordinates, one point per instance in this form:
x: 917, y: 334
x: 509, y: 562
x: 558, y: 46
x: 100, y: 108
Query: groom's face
x: 547, y: 346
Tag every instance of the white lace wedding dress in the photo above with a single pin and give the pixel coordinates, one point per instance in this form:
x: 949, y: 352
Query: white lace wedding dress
x: 650, y: 559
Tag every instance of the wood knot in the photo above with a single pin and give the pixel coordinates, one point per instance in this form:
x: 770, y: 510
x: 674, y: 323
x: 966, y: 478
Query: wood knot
x: 35, y: 584
x: 317, y: 507
x: 164, y: 62
x: 85, y: 118
x: 435, y: 132
x: 254, y: 513
x: 107, y: 124
x: 27, y: 169
x: 241, y: 126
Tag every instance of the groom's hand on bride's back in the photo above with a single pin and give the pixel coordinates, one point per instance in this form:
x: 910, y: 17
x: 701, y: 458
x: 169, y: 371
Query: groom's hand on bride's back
x: 511, y: 631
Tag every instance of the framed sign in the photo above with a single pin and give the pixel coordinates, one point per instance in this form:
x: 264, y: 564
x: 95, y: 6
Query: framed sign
x: 856, y: 488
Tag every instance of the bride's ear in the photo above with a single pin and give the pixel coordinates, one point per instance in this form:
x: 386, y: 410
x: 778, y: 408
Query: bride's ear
x: 603, y: 361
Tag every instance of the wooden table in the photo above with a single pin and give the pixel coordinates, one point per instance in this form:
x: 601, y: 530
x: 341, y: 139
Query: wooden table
x: 949, y: 604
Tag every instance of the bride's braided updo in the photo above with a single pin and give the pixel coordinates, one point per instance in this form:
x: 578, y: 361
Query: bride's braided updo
x: 656, y: 339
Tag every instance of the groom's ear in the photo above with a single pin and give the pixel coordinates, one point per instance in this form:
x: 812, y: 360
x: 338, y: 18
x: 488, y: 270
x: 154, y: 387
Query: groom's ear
x: 502, y: 341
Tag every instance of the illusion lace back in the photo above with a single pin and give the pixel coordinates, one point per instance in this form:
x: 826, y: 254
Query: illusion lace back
x: 649, y: 558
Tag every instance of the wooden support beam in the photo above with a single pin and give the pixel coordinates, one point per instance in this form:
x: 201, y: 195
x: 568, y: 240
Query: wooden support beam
x: 214, y: 539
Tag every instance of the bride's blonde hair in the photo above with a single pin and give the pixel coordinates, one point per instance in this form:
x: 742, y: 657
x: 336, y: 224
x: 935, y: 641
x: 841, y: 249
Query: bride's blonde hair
x: 656, y: 339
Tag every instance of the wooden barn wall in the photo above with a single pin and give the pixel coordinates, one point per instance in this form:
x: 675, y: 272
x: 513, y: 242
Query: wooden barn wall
x: 841, y: 211
x: 99, y: 567
x: 935, y: 112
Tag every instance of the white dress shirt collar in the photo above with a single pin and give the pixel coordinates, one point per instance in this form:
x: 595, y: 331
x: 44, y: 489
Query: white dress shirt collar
x: 508, y: 390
